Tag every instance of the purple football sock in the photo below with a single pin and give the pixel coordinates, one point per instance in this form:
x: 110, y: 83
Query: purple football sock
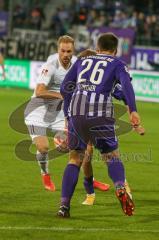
x: 116, y: 171
x: 69, y: 182
x: 88, y: 185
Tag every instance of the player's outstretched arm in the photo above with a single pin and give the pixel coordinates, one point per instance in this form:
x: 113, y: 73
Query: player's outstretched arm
x: 118, y: 94
x: 42, y: 92
x: 129, y: 98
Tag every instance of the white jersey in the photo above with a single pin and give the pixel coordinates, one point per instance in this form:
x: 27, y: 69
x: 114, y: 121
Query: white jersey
x: 52, y: 72
x: 44, y: 112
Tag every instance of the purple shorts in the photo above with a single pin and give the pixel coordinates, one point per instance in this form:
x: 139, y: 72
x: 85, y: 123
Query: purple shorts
x: 99, y: 131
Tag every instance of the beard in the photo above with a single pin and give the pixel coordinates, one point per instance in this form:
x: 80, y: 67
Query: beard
x: 66, y: 60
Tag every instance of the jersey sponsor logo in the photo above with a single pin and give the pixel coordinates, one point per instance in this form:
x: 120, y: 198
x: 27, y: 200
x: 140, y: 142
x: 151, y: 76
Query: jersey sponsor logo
x: 44, y: 72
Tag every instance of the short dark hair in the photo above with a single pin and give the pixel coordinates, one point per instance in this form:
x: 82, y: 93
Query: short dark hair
x: 107, y: 42
x: 86, y: 53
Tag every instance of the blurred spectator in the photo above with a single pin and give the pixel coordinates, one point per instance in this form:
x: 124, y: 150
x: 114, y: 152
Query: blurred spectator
x: 92, y: 17
x: 64, y: 18
x: 97, y: 19
x: 155, y: 30
x: 117, y: 20
x: 81, y: 17
x: 36, y: 19
x: 101, y: 20
x: 19, y: 16
x: 140, y: 33
x: 82, y: 4
x: 56, y: 26
x: 1, y: 5
x: 142, y: 17
x: 148, y: 29
x: 133, y: 20
x: 99, y: 4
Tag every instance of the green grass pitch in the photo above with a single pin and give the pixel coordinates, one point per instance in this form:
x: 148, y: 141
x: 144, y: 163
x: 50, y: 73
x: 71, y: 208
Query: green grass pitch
x: 27, y: 211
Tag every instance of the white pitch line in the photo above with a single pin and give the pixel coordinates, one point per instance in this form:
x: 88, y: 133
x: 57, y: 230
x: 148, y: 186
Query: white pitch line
x: 69, y: 229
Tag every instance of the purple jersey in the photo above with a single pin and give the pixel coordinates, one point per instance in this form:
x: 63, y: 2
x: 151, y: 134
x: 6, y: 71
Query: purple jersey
x: 88, y: 86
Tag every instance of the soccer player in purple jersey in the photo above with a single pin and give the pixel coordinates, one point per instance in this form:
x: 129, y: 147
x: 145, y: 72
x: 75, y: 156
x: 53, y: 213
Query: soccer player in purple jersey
x: 87, y: 90
x: 89, y: 184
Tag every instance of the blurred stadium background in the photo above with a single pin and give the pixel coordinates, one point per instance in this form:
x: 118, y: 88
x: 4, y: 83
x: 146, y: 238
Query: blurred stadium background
x: 28, y: 33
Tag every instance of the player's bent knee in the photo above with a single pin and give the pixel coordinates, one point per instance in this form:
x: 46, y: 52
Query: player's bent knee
x: 88, y: 155
x: 89, y: 150
x: 42, y: 148
x: 76, y: 157
x: 108, y: 156
x: 42, y: 144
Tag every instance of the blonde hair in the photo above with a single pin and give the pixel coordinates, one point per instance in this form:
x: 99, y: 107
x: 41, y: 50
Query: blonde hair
x: 65, y: 39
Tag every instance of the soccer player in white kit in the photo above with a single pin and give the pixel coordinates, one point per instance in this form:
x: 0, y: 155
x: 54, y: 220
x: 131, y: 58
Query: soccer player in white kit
x: 43, y: 110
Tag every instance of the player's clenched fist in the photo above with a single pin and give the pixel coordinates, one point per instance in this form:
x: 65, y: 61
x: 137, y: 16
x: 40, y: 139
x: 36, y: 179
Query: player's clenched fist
x: 134, y: 119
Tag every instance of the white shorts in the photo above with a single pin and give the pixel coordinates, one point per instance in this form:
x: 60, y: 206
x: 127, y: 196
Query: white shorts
x: 43, y: 120
x: 38, y: 129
